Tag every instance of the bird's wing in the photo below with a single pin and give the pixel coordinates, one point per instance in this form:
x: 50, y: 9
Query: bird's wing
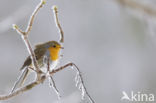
x: 27, y: 62
x: 39, y: 52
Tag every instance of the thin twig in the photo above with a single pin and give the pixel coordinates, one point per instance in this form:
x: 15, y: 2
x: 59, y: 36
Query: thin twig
x: 32, y: 54
x: 136, y: 5
x: 29, y: 27
x: 51, y: 80
x: 52, y: 84
x: 83, y: 86
x: 24, y: 36
x: 58, y: 24
x: 19, y: 79
x: 80, y: 77
x: 23, y: 89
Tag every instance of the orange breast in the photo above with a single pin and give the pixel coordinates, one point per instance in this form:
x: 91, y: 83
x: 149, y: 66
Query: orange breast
x: 54, y: 53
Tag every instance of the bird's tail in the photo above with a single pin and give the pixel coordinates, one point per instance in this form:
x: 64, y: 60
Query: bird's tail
x: 21, y: 79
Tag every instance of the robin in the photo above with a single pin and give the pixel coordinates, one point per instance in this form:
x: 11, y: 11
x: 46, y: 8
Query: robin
x: 49, y: 50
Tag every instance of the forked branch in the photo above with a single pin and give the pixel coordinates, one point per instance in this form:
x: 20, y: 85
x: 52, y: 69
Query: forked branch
x: 23, y: 89
x: 24, y: 35
x: 40, y: 78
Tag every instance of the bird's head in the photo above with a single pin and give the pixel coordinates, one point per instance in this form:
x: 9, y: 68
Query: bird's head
x: 54, y: 49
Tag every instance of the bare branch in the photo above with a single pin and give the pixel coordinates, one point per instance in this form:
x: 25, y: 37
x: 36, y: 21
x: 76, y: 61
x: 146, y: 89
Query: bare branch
x: 32, y: 54
x: 52, y: 84
x: 21, y: 78
x: 29, y: 27
x: 17, y: 29
x: 136, y: 5
x: 58, y: 24
x: 51, y: 80
x: 24, y: 36
x: 82, y: 86
x: 23, y: 89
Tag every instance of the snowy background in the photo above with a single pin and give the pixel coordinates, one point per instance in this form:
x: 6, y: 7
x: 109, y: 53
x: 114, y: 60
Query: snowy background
x: 114, y: 47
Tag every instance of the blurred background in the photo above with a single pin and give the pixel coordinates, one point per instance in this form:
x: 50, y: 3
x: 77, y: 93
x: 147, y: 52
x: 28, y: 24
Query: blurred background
x: 113, y: 42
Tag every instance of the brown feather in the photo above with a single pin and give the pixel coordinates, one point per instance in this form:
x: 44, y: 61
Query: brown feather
x: 39, y: 52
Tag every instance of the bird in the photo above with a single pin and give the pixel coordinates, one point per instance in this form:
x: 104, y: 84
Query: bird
x: 49, y: 50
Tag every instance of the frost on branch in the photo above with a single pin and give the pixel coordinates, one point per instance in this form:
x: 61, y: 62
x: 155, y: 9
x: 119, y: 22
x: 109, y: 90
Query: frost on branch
x: 81, y: 86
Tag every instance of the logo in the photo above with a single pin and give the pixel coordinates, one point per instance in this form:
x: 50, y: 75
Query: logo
x: 137, y: 96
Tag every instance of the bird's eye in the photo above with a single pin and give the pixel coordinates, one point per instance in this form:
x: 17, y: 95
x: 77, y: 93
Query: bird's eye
x: 54, y: 46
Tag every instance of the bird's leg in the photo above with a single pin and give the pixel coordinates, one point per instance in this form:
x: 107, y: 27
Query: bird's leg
x: 78, y: 79
x: 51, y: 80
